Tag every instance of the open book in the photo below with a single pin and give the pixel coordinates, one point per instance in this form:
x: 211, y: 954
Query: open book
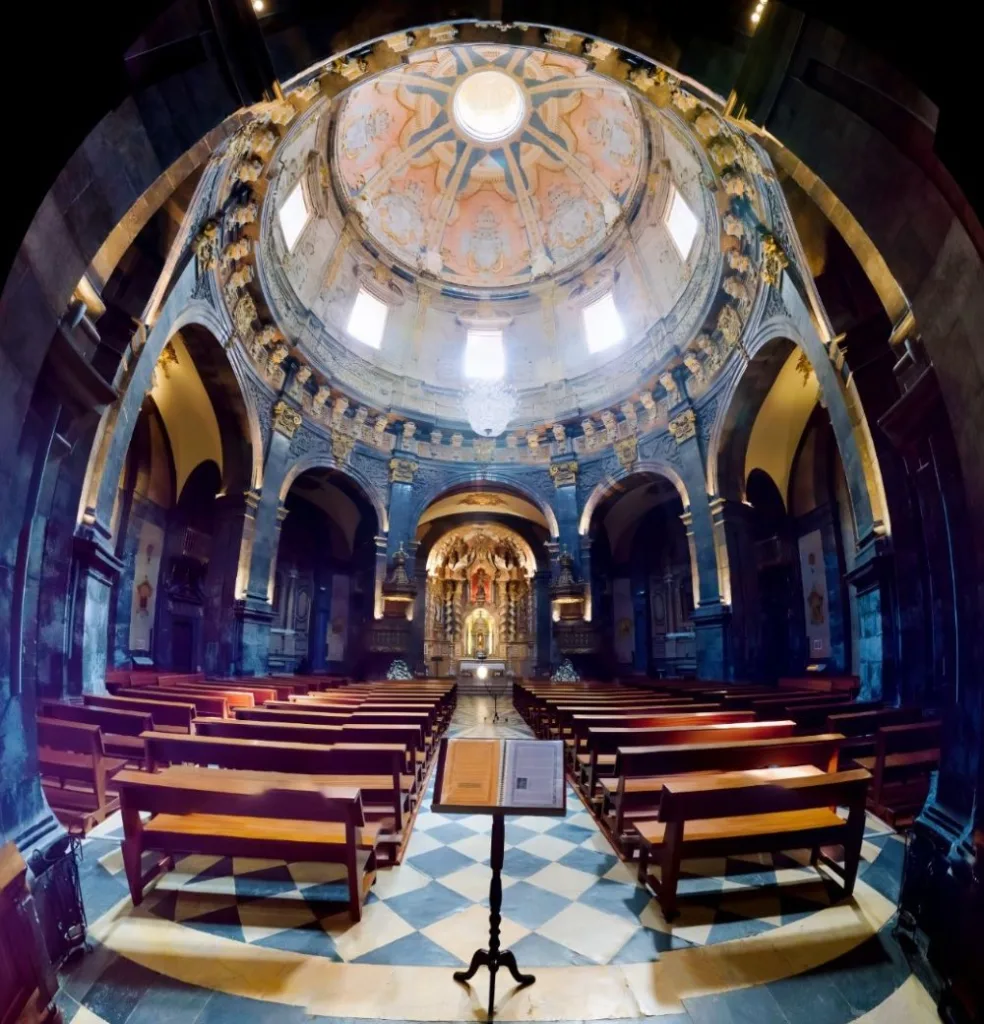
x: 525, y: 776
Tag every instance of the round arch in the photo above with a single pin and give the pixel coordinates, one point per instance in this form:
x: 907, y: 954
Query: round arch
x: 615, y: 482
x: 322, y: 461
x: 466, y: 480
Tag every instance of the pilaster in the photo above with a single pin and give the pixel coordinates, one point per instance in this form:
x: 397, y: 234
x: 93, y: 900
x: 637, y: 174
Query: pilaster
x: 95, y: 571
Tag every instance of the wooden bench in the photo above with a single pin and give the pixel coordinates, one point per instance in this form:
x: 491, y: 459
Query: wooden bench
x: 904, y: 758
x: 822, y: 684
x: 216, y: 705
x: 75, y: 773
x: 713, y: 816
x: 214, y: 812
x: 634, y: 791
x: 602, y: 735
x: 377, y: 771
x: 120, y: 729
x: 259, y: 693
x: 167, y: 716
x: 860, y: 727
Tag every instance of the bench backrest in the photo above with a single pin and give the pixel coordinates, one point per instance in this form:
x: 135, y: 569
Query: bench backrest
x: 259, y: 692
x: 710, y: 797
x: 903, y: 739
x: 620, y: 741
x: 109, y: 720
x: 214, y: 791
x: 231, y: 752
x: 865, y: 723
x: 70, y: 737
x: 277, y: 714
x: 166, y: 713
x: 740, y: 755
x: 410, y: 736
x: 598, y: 727
x: 288, y: 732
x: 821, y: 684
x: 203, y: 704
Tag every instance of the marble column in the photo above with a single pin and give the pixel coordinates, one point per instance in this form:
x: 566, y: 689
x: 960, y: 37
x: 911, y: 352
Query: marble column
x: 738, y: 567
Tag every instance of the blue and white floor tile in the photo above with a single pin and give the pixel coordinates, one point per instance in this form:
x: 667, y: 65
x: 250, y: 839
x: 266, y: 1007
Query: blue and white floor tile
x: 568, y: 903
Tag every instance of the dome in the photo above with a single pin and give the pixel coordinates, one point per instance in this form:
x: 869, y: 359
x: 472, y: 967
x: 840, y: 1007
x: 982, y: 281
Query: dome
x: 499, y: 196
x: 489, y: 166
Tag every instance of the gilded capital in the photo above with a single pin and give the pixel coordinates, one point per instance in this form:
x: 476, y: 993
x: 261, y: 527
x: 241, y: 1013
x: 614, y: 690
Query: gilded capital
x: 774, y: 260
x: 402, y: 470
x: 285, y: 419
x: 564, y: 473
x: 684, y: 426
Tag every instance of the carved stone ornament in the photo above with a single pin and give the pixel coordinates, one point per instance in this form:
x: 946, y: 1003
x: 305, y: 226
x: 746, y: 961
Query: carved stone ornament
x: 707, y: 124
x: 627, y: 451
x: 244, y: 315
x: 242, y: 214
x: 303, y: 375
x: 729, y: 324
x: 409, y: 429
x: 321, y: 396
x: 483, y: 449
x: 670, y: 384
x: 774, y: 260
x: 402, y: 470
x: 723, y: 152
x: 237, y: 250
x: 738, y: 261
x: 564, y: 474
x: 281, y: 112
x: 264, y: 140
x: 241, y: 276
x: 443, y: 33
x: 736, y: 184
x: 206, y: 246
x: 684, y: 426
x: 249, y: 170
x: 285, y: 419
x: 341, y: 446
x: 683, y: 100
x: 733, y: 226
x: 735, y: 287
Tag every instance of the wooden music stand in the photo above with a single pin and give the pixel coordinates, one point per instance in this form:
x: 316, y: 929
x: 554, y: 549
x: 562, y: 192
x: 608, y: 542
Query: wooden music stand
x: 464, y: 787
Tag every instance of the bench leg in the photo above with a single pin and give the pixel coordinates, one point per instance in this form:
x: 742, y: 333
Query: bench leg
x: 130, y: 849
x: 643, y: 865
x: 670, y: 875
x: 852, y: 848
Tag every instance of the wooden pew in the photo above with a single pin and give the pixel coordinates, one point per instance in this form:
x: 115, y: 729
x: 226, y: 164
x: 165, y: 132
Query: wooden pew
x: 860, y: 727
x: 410, y: 735
x: 904, y: 757
x: 216, y: 705
x: 75, y: 773
x: 603, y: 735
x: 120, y: 729
x: 248, y: 729
x: 712, y: 816
x: 634, y: 791
x: 210, y: 811
x: 822, y: 684
x: 167, y: 715
x: 259, y: 692
x: 309, y: 716
x: 377, y: 771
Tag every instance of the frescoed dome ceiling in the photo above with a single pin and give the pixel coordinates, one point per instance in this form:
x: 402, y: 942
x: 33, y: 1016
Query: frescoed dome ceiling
x: 489, y: 166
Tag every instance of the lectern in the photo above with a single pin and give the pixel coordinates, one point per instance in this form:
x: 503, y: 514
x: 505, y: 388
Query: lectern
x: 499, y: 777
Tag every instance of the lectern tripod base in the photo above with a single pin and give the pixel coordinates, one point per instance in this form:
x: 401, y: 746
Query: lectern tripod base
x: 493, y: 958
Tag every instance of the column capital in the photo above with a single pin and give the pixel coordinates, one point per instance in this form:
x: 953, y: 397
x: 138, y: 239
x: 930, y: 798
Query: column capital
x: 684, y: 426
x: 285, y: 419
x: 402, y: 470
x: 563, y: 472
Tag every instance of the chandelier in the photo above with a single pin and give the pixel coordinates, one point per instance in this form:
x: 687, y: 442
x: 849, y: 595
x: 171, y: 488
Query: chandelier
x: 489, y: 405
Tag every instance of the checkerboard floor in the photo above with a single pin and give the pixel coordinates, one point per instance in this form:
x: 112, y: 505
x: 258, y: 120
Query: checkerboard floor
x: 567, y: 898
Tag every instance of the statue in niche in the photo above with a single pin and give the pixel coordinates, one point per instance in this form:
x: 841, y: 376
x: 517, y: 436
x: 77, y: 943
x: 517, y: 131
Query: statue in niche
x: 480, y: 640
x: 481, y: 587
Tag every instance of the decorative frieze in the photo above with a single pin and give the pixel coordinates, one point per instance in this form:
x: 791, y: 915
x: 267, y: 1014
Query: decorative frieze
x: 285, y: 419
x: 684, y: 426
x: 564, y: 474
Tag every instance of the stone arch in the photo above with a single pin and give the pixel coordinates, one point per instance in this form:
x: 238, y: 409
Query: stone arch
x: 612, y: 483
x: 465, y: 479
x: 115, y: 430
x: 324, y: 461
x: 730, y: 431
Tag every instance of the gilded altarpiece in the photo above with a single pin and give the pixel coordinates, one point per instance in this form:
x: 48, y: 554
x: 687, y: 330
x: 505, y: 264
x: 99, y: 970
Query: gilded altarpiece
x: 479, y: 600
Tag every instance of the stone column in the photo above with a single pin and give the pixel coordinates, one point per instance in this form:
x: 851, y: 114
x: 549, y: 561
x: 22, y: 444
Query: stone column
x: 401, y: 529
x: 94, y: 574
x: 738, y: 569
x: 712, y: 618
x: 642, y: 655
x: 254, y: 610
x: 320, y: 619
x: 232, y: 541
x: 544, y: 631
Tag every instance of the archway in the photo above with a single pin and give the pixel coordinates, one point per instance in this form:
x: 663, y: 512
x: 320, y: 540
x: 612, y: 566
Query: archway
x: 324, y: 575
x: 785, y: 520
x: 482, y: 568
x: 642, y: 575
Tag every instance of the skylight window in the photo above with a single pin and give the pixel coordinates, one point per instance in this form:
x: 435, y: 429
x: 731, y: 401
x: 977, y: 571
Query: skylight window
x: 294, y: 215
x: 367, y: 321
x: 682, y: 224
x: 485, y: 358
x: 603, y: 326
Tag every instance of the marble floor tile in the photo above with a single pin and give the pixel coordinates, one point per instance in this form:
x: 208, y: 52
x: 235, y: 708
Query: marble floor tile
x: 562, y: 880
x: 588, y: 931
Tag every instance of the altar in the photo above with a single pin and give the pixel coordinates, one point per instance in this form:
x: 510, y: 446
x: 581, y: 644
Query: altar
x: 468, y: 668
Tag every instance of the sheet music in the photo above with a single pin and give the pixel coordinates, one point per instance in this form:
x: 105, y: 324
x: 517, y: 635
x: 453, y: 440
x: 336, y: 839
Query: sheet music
x: 533, y: 775
x: 471, y: 773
